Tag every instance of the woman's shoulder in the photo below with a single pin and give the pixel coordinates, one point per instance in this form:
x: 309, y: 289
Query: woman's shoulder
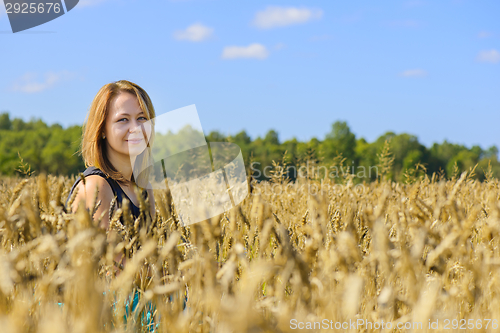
x: 93, y: 170
x: 93, y: 176
x: 88, y: 189
x: 94, y: 182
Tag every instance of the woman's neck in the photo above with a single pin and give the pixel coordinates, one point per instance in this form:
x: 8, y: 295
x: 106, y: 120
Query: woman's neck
x: 122, y: 164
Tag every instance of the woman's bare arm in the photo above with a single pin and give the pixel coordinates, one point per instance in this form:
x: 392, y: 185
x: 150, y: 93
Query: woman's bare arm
x: 105, y: 194
x: 87, y: 192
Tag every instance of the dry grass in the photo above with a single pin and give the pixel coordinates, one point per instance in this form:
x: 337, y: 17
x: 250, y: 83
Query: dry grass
x: 393, y: 252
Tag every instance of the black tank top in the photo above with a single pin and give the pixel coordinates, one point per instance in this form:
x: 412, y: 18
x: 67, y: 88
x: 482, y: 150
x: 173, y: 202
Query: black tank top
x: 117, y: 190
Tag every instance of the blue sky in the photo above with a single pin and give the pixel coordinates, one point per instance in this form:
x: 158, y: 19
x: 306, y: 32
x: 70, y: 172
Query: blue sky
x: 431, y: 69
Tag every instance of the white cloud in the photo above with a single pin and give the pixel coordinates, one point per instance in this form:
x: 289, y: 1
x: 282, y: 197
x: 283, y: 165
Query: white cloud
x: 29, y: 82
x: 195, y: 33
x: 274, y: 16
x: 491, y: 56
x: 257, y: 51
x: 413, y: 73
x: 484, y: 34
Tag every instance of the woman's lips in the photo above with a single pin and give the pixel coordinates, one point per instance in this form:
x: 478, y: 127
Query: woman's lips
x: 134, y: 141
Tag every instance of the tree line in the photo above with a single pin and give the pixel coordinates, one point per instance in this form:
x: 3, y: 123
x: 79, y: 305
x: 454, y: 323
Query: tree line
x: 41, y: 148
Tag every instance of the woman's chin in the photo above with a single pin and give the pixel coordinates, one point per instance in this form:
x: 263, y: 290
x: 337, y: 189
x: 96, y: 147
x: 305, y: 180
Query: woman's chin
x: 135, y: 150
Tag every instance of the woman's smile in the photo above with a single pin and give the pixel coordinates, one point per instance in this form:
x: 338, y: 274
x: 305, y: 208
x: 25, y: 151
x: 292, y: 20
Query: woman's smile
x: 134, y: 141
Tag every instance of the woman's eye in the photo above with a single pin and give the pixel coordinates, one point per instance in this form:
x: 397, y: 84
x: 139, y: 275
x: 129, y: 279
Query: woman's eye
x: 143, y: 118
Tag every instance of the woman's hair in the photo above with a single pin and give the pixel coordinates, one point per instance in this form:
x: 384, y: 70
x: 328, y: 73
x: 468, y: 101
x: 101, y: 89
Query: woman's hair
x: 93, y: 147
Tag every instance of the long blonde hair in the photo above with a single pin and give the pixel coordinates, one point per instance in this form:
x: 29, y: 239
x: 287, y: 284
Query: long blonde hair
x: 93, y: 148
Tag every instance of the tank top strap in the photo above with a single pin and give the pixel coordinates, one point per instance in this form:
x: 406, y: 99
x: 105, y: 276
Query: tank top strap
x: 115, y: 187
x: 117, y: 190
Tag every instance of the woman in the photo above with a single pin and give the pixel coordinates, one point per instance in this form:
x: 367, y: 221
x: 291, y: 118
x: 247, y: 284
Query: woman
x: 115, y: 136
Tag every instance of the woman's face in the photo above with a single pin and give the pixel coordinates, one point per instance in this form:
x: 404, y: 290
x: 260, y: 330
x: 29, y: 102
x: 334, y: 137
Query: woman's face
x: 127, y: 128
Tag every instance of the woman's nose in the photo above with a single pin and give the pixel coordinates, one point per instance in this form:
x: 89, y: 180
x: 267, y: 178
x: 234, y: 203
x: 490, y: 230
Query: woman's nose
x: 135, y: 126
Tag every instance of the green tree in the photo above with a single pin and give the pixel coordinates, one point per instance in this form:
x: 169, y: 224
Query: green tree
x: 465, y: 159
x: 367, y: 168
x: 5, y: 122
x: 215, y: 136
x: 491, y: 153
x: 440, y: 156
x: 340, y: 140
x: 271, y: 138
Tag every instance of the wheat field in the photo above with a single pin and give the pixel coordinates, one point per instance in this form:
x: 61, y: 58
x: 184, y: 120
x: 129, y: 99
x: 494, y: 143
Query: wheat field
x: 287, y: 258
